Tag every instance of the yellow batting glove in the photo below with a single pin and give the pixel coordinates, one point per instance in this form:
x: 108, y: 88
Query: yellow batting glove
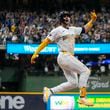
x: 93, y: 16
x: 33, y: 58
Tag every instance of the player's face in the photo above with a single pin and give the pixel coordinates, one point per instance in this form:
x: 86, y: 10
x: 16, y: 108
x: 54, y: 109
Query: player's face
x: 66, y: 20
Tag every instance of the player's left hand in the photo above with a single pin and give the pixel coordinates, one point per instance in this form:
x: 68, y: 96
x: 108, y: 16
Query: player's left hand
x: 93, y: 15
x: 33, y: 58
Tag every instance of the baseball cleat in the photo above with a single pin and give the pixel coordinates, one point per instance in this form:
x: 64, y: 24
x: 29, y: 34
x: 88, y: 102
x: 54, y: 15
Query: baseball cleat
x: 46, y: 93
x: 85, y: 101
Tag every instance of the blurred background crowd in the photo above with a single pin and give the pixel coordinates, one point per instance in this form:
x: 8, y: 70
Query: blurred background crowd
x: 30, y: 22
x: 32, y: 27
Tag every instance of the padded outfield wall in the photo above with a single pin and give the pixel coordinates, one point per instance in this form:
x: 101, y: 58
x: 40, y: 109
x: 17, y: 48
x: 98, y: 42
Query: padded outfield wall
x: 95, y: 84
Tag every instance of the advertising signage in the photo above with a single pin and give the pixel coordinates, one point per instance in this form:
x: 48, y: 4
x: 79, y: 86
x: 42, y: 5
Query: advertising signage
x: 53, y: 48
x: 62, y: 101
x: 24, y: 101
x: 70, y: 102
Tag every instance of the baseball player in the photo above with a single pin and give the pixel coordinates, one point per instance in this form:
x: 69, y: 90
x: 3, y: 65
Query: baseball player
x: 64, y: 36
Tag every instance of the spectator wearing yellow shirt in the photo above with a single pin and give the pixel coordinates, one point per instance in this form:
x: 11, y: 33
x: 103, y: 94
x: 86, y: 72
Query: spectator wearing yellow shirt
x: 13, y: 28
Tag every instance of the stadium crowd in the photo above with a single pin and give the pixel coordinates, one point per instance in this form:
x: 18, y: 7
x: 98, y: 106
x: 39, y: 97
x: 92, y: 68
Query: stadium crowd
x: 32, y: 27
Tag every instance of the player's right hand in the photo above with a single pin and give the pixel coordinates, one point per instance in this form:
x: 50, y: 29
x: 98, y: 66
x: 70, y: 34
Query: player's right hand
x: 33, y: 58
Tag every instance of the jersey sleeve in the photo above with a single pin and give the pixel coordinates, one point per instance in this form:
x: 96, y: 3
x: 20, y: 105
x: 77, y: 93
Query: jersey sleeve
x: 54, y: 34
x: 76, y: 30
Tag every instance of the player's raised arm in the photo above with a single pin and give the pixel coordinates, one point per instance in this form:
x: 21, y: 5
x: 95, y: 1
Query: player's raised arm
x: 89, y: 25
x: 45, y: 42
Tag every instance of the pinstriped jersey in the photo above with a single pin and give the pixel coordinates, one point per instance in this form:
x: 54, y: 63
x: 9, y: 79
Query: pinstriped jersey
x: 65, y: 38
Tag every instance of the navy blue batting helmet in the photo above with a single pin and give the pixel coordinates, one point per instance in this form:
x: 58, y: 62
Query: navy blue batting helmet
x: 63, y: 14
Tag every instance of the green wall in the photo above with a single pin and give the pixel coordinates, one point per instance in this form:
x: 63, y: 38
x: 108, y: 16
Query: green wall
x: 36, y: 83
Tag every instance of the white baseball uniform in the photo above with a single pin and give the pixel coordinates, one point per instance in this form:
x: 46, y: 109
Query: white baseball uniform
x: 71, y: 66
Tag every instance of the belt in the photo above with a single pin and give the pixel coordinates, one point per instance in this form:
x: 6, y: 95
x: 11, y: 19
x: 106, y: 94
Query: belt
x: 65, y: 52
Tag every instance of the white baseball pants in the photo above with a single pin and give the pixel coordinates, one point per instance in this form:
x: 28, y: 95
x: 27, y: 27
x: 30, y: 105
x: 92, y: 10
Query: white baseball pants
x: 71, y: 67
